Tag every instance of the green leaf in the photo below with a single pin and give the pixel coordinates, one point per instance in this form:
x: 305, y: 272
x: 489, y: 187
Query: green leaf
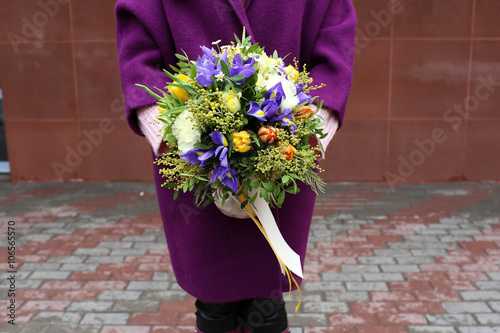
x: 264, y: 194
x: 176, y: 194
x: 175, y: 69
x: 177, y: 110
x: 244, y: 204
x: 245, y: 186
x: 277, y: 191
x: 281, y: 198
x: 255, y: 184
x: 269, y: 186
x: 238, y: 77
x: 285, y: 179
x: 231, y: 84
x: 181, y: 57
x: 254, y: 197
x: 225, y: 68
x: 149, y: 91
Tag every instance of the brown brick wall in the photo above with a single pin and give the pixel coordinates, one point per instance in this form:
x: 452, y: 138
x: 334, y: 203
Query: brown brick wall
x: 408, y: 116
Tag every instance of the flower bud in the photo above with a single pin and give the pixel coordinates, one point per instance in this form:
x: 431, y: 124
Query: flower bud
x: 232, y: 100
x: 268, y: 134
x: 242, y: 141
x: 288, y: 151
x: 304, y: 112
x: 178, y: 91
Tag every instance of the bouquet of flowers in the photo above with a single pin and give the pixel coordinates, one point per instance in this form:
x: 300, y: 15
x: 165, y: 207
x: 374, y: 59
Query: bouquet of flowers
x: 238, y: 122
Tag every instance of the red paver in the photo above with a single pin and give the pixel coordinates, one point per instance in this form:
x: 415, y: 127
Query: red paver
x: 405, y: 304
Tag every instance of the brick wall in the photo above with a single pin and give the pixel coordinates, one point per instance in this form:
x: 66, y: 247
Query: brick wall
x: 408, y: 119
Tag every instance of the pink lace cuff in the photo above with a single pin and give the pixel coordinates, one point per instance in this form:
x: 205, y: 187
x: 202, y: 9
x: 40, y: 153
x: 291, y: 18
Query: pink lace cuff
x: 331, y: 126
x: 150, y: 126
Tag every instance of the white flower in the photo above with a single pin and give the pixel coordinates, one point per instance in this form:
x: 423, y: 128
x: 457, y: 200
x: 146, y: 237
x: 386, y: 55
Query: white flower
x: 291, y: 100
x: 186, y: 131
x: 266, y: 64
x: 220, y: 77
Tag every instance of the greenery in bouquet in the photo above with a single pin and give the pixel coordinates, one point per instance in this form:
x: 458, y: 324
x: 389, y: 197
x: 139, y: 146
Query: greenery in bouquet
x: 238, y: 122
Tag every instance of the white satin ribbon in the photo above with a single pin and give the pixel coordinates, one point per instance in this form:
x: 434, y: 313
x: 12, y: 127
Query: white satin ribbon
x: 282, y: 250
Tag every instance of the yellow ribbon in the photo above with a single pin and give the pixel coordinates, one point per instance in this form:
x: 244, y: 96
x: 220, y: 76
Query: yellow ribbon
x: 282, y: 265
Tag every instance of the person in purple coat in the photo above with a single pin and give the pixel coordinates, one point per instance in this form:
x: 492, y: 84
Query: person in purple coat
x: 225, y: 262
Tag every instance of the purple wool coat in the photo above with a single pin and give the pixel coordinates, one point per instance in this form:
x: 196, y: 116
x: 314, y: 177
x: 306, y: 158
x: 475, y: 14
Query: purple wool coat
x: 216, y: 258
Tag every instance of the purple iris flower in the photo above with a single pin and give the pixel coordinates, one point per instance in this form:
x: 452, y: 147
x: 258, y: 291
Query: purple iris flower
x: 264, y: 112
x: 221, y: 151
x: 203, y: 77
x: 299, y: 88
x: 209, y: 53
x: 304, y: 98
x: 205, y: 66
x: 269, y: 109
x: 269, y: 112
x: 242, y: 68
x: 226, y: 175
x: 275, y: 93
x: 202, y: 156
x: 222, y: 170
x: 193, y: 155
x: 285, y: 118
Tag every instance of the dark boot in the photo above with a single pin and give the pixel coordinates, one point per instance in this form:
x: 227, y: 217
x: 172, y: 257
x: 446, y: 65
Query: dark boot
x: 196, y: 330
x: 243, y: 330
x: 263, y: 315
x: 216, y: 317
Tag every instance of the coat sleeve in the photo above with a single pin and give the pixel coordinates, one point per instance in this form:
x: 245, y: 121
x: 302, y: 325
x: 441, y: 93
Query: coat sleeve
x: 145, y: 47
x: 333, y: 56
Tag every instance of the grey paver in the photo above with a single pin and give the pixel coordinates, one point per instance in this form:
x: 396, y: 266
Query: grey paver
x: 57, y: 316
x: 431, y: 329
x: 466, y: 307
x: 105, y: 318
x: 489, y: 295
x: 488, y: 318
x: 326, y: 307
x: 451, y: 319
x: 90, y: 306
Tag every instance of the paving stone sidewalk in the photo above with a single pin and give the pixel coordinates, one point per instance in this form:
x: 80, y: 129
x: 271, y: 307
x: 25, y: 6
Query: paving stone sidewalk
x: 417, y: 258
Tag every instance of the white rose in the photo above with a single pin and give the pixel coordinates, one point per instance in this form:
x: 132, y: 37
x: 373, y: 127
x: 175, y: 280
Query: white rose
x: 186, y: 131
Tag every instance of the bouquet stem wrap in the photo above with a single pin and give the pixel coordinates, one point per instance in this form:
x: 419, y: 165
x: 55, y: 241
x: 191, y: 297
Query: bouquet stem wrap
x: 288, y: 259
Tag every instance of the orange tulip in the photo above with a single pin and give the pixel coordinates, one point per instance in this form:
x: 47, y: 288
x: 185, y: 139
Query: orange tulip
x: 304, y: 112
x: 268, y: 134
x: 288, y: 151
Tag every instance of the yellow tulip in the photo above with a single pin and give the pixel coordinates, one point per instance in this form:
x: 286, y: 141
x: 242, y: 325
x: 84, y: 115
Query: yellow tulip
x: 179, y: 92
x: 242, y: 141
x: 292, y: 73
x: 232, y: 101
